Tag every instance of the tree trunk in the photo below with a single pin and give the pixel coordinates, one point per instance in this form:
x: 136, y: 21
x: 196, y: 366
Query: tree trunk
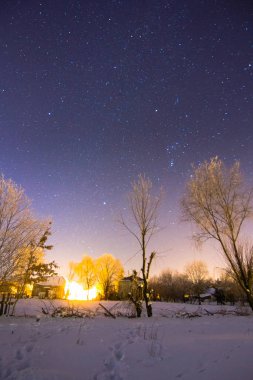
x: 146, y: 297
x: 250, y: 299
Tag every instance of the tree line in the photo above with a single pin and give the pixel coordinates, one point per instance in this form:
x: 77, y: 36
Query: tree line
x: 216, y: 200
x: 195, y: 285
x: 105, y: 273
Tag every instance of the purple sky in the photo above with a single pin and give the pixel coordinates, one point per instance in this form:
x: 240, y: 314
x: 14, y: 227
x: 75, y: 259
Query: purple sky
x: 92, y: 93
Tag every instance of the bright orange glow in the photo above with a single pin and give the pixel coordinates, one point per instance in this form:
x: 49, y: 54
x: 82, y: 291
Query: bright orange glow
x: 75, y: 291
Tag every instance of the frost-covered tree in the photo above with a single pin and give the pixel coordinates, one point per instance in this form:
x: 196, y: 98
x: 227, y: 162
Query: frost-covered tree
x: 136, y: 293
x: 32, y: 267
x: 219, y: 203
x: 19, y: 229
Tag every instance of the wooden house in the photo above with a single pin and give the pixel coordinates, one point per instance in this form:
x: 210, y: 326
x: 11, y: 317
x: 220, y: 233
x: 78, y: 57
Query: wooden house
x: 52, y: 287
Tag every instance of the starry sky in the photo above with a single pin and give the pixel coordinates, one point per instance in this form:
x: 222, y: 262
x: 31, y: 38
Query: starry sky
x: 92, y: 93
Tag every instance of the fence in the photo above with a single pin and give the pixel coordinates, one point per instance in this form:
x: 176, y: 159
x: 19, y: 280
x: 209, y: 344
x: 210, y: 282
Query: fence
x: 6, y: 300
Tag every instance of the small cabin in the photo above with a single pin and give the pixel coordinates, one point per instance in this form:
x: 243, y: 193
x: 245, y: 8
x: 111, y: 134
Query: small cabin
x: 53, y: 287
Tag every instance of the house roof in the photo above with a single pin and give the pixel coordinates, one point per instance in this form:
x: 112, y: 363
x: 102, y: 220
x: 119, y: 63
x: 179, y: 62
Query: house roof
x: 54, y: 281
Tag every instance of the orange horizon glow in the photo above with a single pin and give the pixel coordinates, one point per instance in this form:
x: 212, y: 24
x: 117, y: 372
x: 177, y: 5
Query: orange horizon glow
x: 75, y: 291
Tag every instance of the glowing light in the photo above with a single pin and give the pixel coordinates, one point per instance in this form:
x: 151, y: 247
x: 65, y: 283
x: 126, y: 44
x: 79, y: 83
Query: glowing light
x: 75, y: 291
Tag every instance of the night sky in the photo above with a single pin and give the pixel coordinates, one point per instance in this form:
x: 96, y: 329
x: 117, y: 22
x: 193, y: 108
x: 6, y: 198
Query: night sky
x: 92, y: 93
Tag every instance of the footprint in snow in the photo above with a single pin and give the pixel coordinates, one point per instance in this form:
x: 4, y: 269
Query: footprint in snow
x: 18, y: 364
x: 114, y: 367
x: 29, y: 347
x: 19, y: 355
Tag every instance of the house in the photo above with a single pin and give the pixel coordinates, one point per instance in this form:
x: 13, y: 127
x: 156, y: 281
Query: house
x: 52, y: 287
x: 8, y: 287
x: 128, y: 285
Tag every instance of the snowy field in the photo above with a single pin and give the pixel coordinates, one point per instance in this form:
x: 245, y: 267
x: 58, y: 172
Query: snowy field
x: 178, y: 342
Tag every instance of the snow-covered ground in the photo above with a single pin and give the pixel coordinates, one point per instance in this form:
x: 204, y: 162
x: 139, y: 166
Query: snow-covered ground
x: 173, y: 344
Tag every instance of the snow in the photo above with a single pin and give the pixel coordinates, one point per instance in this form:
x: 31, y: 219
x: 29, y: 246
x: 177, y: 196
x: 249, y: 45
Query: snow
x: 170, y: 345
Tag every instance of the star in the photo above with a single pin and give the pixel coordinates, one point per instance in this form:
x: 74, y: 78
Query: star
x: 92, y: 96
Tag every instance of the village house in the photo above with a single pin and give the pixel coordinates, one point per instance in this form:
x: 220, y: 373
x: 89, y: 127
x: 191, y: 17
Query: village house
x: 128, y: 285
x: 52, y: 287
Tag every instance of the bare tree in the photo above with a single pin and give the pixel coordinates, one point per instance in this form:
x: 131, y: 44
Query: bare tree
x: 170, y: 286
x: 86, y: 272
x: 19, y: 229
x: 72, y: 271
x: 197, y: 273
x: 162, y: 284
x: 109, y: 271
x: 143, y: 207
x: 219, y: 203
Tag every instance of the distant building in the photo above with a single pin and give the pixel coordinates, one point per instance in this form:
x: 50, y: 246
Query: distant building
x: 53, y: 287
x: 8, y: 287
x: 128, y: 285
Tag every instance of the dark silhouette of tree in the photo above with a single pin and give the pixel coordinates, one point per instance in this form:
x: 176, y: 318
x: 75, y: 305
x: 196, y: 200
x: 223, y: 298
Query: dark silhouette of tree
x: 109, y: 271
x: 85, y: 271
x: 143, y: 207
x: 197, y: 273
